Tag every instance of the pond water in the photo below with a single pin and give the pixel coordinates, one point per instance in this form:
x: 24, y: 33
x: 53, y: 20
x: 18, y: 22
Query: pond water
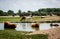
x: 27, y: 26
x: 1, y: 26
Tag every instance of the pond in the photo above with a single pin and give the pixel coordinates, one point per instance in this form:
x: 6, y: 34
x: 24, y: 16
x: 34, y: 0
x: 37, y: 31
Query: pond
x: 1, y: 26
x: 27, y: 26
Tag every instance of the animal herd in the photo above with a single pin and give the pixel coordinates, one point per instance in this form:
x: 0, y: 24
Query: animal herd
x: 13, y: 26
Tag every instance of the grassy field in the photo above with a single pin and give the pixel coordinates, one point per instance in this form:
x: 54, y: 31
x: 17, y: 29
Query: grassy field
x: 11, y: 19
x: 13, y: 34
x: 16, y: 19
x: 33, y: 19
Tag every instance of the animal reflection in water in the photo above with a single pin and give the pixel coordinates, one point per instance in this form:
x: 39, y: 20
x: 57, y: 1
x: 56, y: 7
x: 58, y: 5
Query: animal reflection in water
x: 24, y: 25
x: 26, y: 17
x: 56, y: 25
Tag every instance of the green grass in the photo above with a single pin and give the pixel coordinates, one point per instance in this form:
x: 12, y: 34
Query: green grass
x: 36, y: 18
x: 16, y: 19
x: 38, y: 36
x: 33, y: 19
x: 13, y: 34
x: 11, y: 19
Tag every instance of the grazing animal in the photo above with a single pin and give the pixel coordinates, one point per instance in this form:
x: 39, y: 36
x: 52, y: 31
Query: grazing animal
x: 26, y: 17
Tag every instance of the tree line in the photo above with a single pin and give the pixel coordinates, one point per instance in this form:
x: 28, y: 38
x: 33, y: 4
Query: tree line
x: 39, y: 12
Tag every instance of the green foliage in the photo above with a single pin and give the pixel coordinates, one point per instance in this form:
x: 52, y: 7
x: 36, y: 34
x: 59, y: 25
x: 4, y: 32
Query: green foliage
x: 49, y: 11
x: 10, y: 12
x: 39, y: 12
x: 1, y: 12
x: 13, y: 34
x: 19, y: 12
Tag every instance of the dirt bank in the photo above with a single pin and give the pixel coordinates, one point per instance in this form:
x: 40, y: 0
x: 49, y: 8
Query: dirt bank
x: 53, y: 33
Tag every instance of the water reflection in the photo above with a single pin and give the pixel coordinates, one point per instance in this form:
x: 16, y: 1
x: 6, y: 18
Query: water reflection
x: 1, y: 26
x: 24, y: 27
x: 44, y: 26
x: 27, y: 26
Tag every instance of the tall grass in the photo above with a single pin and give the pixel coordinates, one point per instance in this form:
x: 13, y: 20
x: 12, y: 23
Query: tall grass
x: 13, y: 34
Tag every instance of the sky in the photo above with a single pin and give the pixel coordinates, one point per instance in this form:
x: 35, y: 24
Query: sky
x: 25, y: 5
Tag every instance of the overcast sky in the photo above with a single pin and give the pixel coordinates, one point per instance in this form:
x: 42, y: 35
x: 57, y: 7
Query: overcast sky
x: 26, y: 5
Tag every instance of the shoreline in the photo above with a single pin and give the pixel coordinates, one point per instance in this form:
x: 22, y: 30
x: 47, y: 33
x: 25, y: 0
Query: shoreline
x: 34, y: 22
x: 52, y: 33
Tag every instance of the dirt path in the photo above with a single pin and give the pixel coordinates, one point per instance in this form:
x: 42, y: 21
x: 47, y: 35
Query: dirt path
x: 53, y: 33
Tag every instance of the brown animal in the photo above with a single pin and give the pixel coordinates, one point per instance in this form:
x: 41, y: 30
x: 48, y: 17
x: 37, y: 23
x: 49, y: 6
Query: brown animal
x: 25, y: 17
x: 8, y: 25
x: 35, y: 25
x: 12, y: 26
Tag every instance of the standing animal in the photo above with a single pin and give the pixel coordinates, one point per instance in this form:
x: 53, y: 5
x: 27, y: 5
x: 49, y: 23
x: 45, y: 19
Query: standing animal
x: 26, y: 17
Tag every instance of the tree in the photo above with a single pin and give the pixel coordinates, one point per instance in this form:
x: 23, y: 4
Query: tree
x: 5, y: 14
x: 30, y: 13
x: 42, y: 12
x: 19, y: 12
x: 1, y: 13
x: 10, y: 12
